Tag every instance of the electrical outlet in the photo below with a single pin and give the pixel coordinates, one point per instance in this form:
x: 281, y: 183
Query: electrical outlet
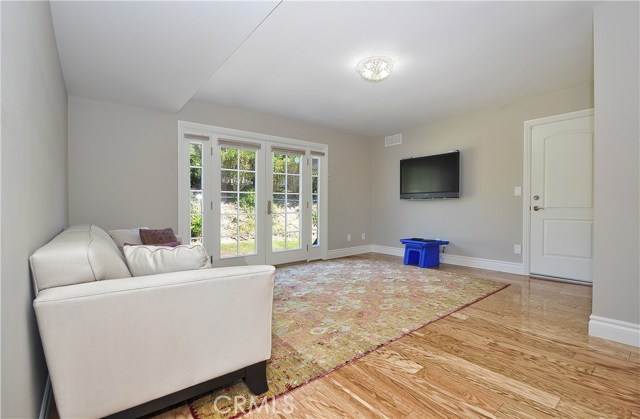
x: 348, y: 237
x: 364, y: 236
x: 517, y: 249
x: 517, y: 191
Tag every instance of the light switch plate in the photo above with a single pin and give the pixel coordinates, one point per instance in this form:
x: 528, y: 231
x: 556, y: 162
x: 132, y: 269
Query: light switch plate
x: 517, y: 191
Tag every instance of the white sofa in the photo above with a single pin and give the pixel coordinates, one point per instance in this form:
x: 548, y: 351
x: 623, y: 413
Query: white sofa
x: 120, y: 344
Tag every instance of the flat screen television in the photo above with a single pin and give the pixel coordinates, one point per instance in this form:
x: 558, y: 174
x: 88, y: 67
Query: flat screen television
x: 430, y: 177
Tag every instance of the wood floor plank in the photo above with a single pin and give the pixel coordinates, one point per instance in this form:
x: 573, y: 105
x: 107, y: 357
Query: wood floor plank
x: 629, y: 378
x: 403, y: 387
x: 444, y: 400
x: 573, y: 290
x: 573, y: 340
x: 398, y: 361
x: 362, y: 400
x: 567, y: 408
x: 437, y: 387
x: 512, y: 335
x: 352, y: 378
x: 480, y: 375
x: 528, y: 323
x: 598, y: 359
x: 535, y: 361
x: 463, y: 389
x: 538, y: 373
x: 512, y: 409
x: 323, y: 400
x: 454, y: 331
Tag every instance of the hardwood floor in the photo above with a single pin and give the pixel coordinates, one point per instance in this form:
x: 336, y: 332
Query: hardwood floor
x: 523, y: 352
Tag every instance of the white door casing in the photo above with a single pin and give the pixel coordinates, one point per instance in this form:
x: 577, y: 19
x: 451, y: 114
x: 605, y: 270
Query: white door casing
x: 560, y: 196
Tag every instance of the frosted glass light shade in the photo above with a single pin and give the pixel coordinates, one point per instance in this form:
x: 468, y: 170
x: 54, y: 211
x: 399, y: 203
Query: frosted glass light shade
x: 375, y: 68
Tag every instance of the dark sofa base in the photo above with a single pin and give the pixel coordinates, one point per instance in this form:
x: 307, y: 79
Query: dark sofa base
x: 255, y: 377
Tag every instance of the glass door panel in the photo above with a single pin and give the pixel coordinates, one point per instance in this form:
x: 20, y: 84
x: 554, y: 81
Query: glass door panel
x: 285, y: 208
x: 315, y: 250
x: 196, y: 193
x: 238, y: 215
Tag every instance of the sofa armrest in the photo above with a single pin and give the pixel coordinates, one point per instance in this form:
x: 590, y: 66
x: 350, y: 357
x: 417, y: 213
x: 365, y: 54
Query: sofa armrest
x: 111, y: 345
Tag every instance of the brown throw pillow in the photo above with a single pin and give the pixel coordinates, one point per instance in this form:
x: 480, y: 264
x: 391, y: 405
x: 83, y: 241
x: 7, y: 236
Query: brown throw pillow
x: 149, y: 236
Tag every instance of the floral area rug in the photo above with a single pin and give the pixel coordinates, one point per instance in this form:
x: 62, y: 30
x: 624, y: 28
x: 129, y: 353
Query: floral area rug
x: 328, y: 313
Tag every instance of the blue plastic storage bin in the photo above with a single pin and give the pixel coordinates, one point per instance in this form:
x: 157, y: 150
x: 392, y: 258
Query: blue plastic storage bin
x: 425, y: 254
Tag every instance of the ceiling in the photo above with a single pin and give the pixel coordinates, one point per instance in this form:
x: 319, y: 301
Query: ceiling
x: 297, y: 59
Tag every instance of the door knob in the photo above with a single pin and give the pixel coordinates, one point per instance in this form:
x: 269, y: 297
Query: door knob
x: 536, y: 197
x: 537, y: 208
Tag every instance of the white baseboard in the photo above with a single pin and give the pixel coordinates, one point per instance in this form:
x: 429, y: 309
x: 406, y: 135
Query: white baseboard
x: 348, y: 251
x: 47, y: 397
x: 388, y: 250
x: 492, y: 265
x: 615, y: 330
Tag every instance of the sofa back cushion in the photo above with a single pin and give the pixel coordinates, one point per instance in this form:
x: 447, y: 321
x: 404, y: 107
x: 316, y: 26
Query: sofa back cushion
x: 126, y: 236
x: 83, y: 253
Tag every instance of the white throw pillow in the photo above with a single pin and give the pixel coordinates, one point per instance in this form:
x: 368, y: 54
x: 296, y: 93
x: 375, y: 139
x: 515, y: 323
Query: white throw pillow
x: 150, y: 260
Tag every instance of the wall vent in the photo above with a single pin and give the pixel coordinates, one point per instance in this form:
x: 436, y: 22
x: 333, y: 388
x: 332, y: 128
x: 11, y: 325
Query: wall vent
x: 393, y: 140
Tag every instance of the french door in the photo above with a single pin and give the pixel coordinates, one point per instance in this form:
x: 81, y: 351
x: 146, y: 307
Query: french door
x: 287, y: 199
x: 251, y: 198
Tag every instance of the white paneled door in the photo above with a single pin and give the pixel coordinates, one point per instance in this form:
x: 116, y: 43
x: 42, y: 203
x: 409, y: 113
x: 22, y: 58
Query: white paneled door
x: 561, y: 199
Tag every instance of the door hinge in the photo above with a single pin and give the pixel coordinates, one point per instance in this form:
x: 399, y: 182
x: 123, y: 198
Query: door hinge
x: 307, y: 204
x: 212, y: 151
x: 307, y: 248
x: 211, y: 204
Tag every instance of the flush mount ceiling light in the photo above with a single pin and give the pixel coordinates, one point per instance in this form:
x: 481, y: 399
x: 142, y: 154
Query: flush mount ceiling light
x: 375, y: 68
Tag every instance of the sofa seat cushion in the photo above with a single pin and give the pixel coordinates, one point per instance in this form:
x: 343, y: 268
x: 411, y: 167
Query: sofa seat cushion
x: 82, y: 253
x: 150, y: 260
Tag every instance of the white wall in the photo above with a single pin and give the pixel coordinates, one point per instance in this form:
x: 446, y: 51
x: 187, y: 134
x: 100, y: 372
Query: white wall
x: 34, y: 189
x: 487, y: 220
x: 122, y: 165
x: 616, y: 283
